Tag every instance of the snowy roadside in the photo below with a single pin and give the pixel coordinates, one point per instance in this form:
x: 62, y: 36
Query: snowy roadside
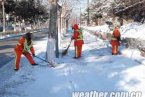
x: 132, y: 30
x: 97, y: 70
x: 4, y: 37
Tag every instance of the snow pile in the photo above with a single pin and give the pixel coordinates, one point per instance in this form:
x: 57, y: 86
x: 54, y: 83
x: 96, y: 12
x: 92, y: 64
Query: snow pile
x: 133, y: 30
x: 131, y: 53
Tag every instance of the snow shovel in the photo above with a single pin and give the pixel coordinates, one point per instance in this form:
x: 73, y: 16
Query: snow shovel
x: 42, y: 59
x: 45, y: 61
x: 65, y: 51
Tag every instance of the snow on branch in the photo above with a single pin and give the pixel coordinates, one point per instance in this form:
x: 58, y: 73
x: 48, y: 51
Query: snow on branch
x: 130, y: 6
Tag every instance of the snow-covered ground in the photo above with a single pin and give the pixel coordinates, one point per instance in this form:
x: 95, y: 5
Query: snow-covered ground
x: 97, y: 70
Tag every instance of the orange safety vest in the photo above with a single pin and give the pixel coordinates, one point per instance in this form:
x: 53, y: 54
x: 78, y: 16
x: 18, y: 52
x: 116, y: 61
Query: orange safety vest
x: 80, y: 37
x: 23, y: 46
x: 26, y: 46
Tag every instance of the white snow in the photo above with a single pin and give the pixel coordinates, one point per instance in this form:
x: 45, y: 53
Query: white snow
x: 97, y: 70
x: 103, y: 28
x: 133, y: 30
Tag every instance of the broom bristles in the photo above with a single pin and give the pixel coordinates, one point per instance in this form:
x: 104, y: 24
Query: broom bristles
x: 64, y: 52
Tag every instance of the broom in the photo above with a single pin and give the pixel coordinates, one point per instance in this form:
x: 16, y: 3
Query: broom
x: 65, y: 51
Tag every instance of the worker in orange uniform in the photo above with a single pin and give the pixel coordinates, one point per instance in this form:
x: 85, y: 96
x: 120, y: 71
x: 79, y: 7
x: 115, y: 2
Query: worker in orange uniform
x: 115, y: 41
x: 78, y: 41
x: 23, y: 46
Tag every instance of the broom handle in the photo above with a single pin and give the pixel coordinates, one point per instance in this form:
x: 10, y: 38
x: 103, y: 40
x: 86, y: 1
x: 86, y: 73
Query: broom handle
x: 69, y: 44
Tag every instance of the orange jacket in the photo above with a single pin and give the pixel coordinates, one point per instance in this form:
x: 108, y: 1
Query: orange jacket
x: 76, y: 36
x: 22, y: 45
x: 114, y: 39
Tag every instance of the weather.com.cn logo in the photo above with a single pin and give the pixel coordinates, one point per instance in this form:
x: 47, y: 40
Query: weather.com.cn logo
x: 107, y: 94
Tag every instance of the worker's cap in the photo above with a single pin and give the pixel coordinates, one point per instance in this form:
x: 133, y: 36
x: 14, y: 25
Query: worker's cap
x: 28, y: 35
x: 75, y: 26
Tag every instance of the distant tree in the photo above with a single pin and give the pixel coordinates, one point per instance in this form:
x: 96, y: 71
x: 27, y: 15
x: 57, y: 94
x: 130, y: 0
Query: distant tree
x: 10, y: 6
x: 29, y: 10
x: 25, y: 9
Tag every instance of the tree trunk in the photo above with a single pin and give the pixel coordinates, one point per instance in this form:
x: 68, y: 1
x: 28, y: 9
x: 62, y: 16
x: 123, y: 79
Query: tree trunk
x: 50, y: 50
x: 52, y: 33
x: 67, y: 26
x: 53, y: 19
